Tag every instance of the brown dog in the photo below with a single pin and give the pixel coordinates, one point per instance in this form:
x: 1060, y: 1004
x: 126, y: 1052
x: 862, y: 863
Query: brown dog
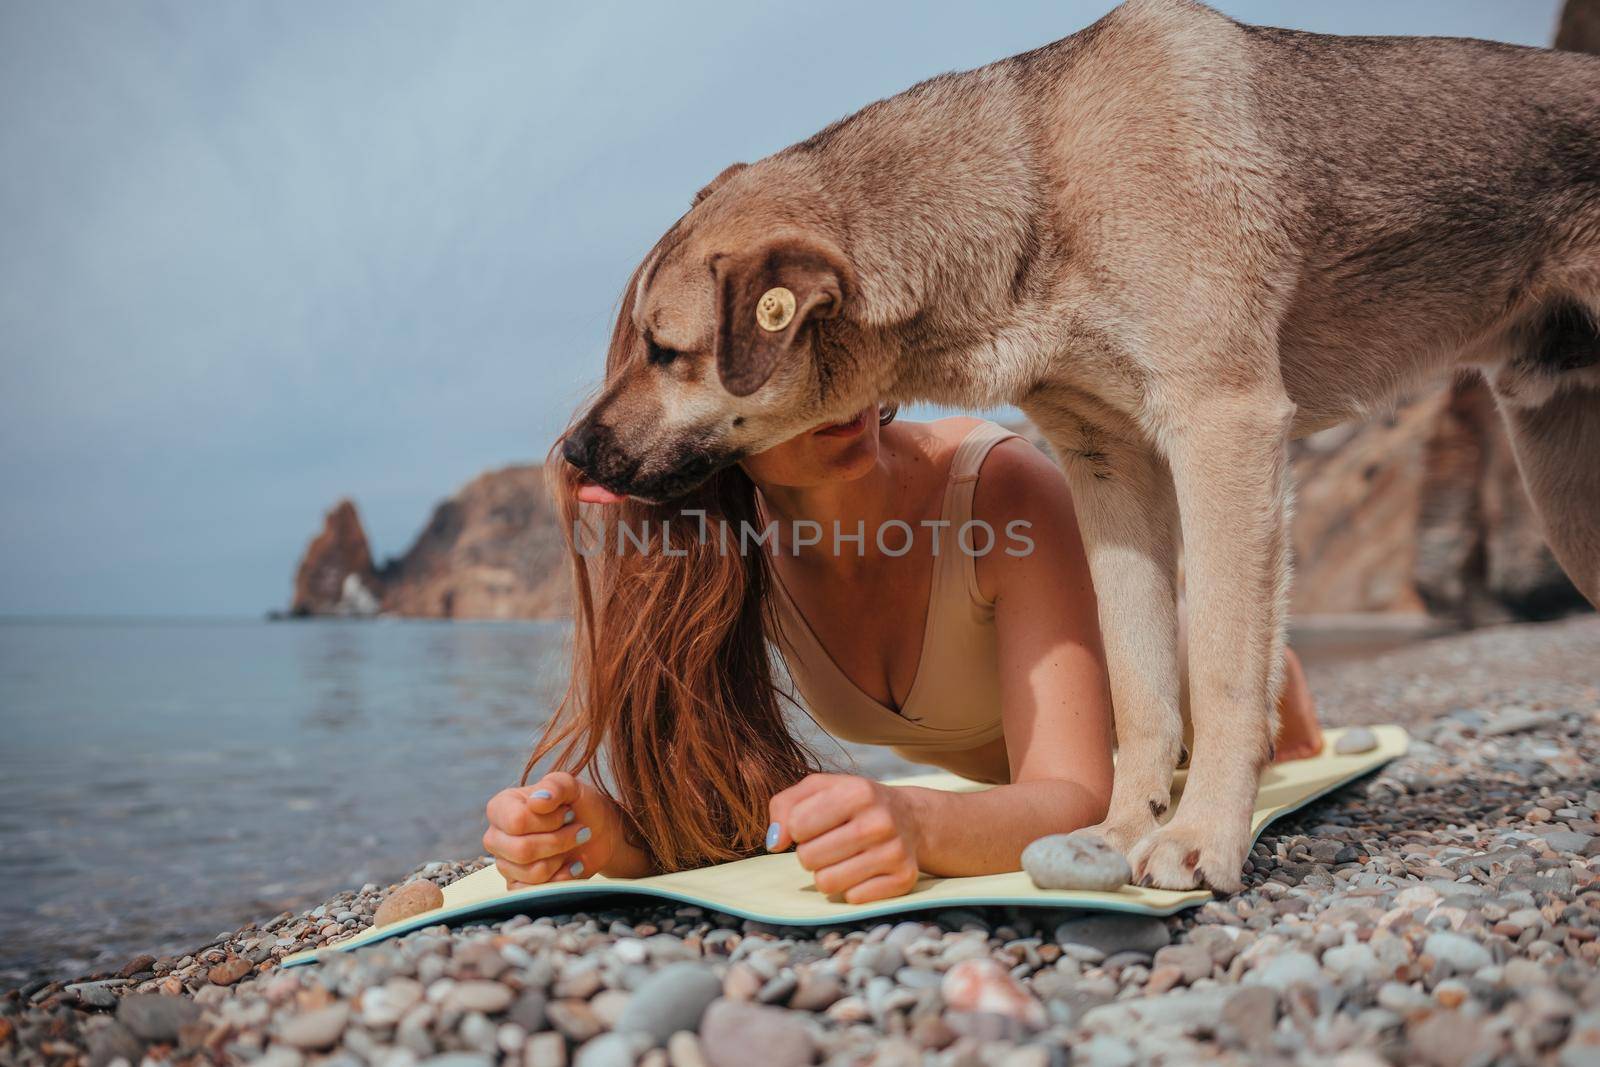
x: 1175, y: 242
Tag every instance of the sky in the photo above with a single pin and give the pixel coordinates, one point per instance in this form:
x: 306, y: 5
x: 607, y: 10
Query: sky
x: 258, y: 257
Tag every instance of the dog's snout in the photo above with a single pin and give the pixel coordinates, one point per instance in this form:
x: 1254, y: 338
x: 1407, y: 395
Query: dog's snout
x: 578, y: 447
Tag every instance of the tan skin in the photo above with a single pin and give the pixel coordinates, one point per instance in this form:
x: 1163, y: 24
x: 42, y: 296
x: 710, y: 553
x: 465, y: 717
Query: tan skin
x: 863, y: 840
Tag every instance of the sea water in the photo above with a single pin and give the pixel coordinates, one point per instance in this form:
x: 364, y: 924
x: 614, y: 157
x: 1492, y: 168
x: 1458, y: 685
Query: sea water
x: 163, y: 782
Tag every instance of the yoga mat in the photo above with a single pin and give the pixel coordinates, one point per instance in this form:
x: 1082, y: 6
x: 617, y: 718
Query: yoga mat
x: 778, y: 890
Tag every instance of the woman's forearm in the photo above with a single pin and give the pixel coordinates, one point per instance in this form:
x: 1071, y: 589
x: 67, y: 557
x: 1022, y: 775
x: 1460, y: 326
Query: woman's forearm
x: 628, y: 861
x: 961, y: 834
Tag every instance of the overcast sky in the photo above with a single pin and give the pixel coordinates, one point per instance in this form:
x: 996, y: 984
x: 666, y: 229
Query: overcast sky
x: 255, y: 257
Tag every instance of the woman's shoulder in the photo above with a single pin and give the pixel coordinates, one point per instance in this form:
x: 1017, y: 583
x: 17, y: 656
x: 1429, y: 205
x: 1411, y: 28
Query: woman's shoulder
x: 1018, y: 480
x: 1021, y: 490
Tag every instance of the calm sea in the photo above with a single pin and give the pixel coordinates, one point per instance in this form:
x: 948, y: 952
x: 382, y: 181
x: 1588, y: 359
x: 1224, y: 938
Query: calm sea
x: 162, y: 782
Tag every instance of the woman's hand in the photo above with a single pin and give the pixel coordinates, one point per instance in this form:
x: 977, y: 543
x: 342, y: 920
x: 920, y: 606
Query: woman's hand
x: 858, y: 837
x: 557, y: 828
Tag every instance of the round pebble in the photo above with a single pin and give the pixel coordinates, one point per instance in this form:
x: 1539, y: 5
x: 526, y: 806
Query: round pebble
x: 408, y: 901
x: 1077, y: 860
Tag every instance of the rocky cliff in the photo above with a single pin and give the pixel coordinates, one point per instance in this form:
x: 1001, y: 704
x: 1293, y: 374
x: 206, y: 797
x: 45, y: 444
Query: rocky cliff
x: 336, y: 576
x: 1422, y: 510
x: 491, y: 551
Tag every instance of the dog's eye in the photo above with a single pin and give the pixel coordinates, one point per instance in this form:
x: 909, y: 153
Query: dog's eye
x: 659, y: 354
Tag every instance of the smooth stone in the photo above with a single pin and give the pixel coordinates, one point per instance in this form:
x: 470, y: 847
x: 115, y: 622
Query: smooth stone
x: 114, y: 1042
x: 987, y: 1027
x: 409, y: 900
x: 317, y: 1029
x: 480, y: 995
x: 154, y: 1017
x: 382, y: 1006
x: 1251, y: 1013
x: 574, y: 1018
x: 1354, y: 962
x: 1103, y: 1050
x: 1291, y: 968
x: 683, y: 1050
x: 672, y: 999
x: 1184, y: 1011
x: 1192, y: 961
x: 1460, y: 954
x: 229, y: 971
x: 1078, y: 860
x: 735, y: 1033
x: 817, y: 990
x: 454, y: 1059
x: 985, y: 986
x: 1515, y: 720
x: 1108, y: 934
x: 94, y: 995
x: 1568, y: 841
x: 548, y: 1049
x: 1355, y: 740
x: 778, y: 988
x: 882, y: 958
x: 612, y: 1050
x: 608, y: 1006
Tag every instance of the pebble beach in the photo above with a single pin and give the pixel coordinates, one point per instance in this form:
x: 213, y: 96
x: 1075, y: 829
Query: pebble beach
x: 1442, y: 912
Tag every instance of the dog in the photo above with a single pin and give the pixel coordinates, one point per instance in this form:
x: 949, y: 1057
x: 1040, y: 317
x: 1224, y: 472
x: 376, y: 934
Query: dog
x: 1175, y: 242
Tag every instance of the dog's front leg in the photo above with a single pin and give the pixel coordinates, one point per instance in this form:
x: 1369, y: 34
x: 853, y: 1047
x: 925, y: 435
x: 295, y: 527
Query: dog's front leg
x: 1128, y: 516
x: 1229, y: 464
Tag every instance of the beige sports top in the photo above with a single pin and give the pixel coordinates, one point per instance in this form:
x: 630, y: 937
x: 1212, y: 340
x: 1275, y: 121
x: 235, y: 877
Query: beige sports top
x: 954, y: 700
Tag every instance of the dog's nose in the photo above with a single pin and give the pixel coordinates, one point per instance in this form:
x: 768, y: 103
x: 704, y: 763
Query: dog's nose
x: 578, y: 447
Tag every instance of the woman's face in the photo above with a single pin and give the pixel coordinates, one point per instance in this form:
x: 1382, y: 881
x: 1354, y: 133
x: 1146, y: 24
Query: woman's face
x: 823, y: 454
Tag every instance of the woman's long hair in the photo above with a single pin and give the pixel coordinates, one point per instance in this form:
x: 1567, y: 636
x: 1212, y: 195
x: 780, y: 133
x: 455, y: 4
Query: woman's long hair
x: 672, y: 686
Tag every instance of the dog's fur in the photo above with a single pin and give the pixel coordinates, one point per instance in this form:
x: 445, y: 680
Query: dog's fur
x: 1175, y: 242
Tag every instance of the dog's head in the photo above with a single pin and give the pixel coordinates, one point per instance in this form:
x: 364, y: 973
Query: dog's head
x: 733, y: 336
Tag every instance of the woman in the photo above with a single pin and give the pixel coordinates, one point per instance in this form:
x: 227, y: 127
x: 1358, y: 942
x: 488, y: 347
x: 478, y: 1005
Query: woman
x: 988, y: 665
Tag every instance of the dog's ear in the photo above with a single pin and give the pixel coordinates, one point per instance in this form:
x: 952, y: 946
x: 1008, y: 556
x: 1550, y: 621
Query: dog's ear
x: 716, y: 183
x: 765, y: 298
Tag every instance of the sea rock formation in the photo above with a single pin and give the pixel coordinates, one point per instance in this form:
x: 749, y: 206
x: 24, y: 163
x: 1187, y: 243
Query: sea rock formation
x: 492, y: 551
x: 336, y: 576
x: 1422, y: 510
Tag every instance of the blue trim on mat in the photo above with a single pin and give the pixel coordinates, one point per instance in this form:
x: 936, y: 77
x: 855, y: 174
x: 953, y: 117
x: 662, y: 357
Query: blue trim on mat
x: 517, y: 903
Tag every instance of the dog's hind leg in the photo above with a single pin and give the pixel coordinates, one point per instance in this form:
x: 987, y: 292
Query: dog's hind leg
x: 1127, y: 514
x: 1551, y: 402
x: 1229, y: 462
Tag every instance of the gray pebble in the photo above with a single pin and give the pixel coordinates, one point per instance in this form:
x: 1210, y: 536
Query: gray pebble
x: 1460, y: 955
x: 1568, y: 841
x: 1289, y: 969
x: 1077, y: 860
x: 612, y: 1050
x: 154, y: 1017
x: 1355, y: 740
x: 673, y: 998
x: 1107, y: 934
x: 881, y: 958
x: 1355, y: 962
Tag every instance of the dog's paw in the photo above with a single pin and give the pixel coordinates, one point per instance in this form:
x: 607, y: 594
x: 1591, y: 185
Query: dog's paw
x: 1180, y: 856
x: 1123, y: 834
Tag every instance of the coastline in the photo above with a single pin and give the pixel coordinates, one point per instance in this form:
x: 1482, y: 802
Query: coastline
x: 1442, y: 911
